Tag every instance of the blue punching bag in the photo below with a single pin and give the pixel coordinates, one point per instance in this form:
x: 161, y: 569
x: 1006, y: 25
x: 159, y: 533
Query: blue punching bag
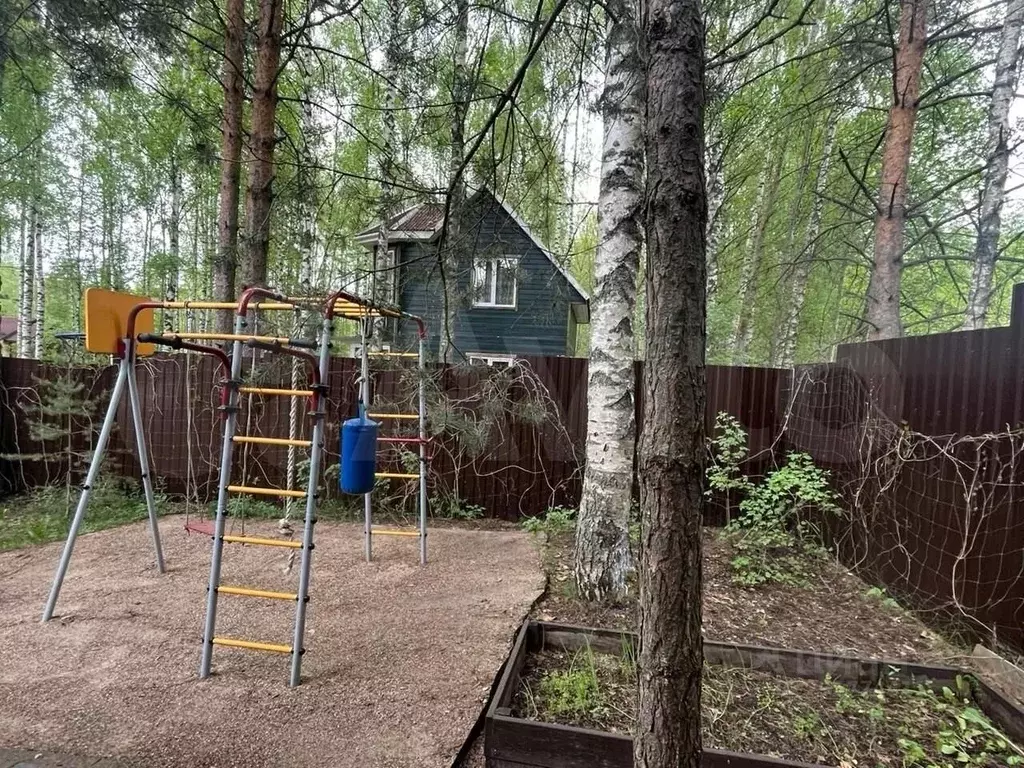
x: 358, y: 454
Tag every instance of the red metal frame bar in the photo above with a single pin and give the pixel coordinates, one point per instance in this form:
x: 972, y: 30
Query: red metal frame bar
x: 249, y: 293
x: 312, y: 360
x: 343, y: 295
x: 217, y: 352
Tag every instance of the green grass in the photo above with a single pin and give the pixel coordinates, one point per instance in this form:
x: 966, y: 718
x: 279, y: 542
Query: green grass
x: 44, y: 514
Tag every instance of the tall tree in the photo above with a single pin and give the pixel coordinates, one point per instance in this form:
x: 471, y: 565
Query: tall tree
x: 233, y: 78
x: 26, y: 270
x: 883, y: 296
x: 454, y: 248
x: 993, y: 190
x: 602, y: 559
x: 672, y: 447
x: 805, y: 257
x: 768, y: 189
x: 39, y: 318
x: 383, y: 274
x: 259, y: 196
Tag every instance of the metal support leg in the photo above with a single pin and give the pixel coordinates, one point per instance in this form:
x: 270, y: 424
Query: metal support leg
x: 298, y: 646
x: 364, y: 396
x: 147, y: 479
x: 423, y: 452
x: 90, y: 481
x: 222, y: 502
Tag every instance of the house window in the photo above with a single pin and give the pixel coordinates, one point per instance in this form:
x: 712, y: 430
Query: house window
x: 493, y: 361
x: 494, y: 282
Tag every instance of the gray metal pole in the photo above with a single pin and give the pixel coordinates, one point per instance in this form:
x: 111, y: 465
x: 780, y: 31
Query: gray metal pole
x: 222, y: 501
x: 311, y: 495
x: 140, y: 441
x: 423, y: 452
x: 364, y: 395
x: 90, y: 480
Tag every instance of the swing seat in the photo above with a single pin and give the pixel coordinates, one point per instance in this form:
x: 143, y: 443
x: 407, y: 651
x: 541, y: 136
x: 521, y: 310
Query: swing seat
x: 204, y: 527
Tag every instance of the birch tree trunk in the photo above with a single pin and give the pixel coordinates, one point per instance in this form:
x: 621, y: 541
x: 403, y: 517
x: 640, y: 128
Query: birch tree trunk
x: 883, y: 297
x: 768, y: 189
x: 30, y: 281
x: 454, y: 257
x: 39, y: 324
x: 672, y: 443
x: 805, y: 258
x: 602, y: 559
x: 233, y: 77
x: 986, y: 249
x: 25, y: 268
x: 174, y: 244
x: 259, y: 196
x: 715, y: 172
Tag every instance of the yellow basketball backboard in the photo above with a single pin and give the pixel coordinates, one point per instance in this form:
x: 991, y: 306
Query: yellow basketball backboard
x: 106, y: 320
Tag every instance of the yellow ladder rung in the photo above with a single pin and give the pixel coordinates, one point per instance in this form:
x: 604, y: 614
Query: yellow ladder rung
x: 279, y: 392
x: 231, y: 643
x: 273, y: 441
x: 393, y: 415
x: 392, y: 532
x: 247, y: 592
x: 267, y: 491
x: 257, y: 541
x: 398, y: 475
x: 393, y: 354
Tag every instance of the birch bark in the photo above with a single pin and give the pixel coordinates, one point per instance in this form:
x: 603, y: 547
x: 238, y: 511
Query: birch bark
x: 986, y: 249
x: 602, y: 558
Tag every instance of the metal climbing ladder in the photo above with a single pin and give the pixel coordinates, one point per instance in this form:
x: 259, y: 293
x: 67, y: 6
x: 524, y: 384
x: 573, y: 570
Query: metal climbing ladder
x: 316, y: 393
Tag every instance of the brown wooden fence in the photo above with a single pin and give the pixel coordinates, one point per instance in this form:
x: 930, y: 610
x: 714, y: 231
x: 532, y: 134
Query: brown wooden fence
x: 526, y: 466
x: 924, y: 437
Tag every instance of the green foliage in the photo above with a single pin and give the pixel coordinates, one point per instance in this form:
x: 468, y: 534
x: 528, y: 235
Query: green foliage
x: 451, y: 507
x: 879, y: 595
x: 728, y: 452
x: 554, y: 522
x: 772, y: 538
x: 574, y: 691
x: 44, y: 514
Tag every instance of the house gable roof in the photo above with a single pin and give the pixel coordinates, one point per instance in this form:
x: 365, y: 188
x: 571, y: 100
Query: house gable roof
x: 423, y: 223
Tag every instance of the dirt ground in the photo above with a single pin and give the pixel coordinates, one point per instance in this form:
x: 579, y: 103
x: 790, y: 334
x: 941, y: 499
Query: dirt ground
x: 399, y: 659
x: 834, y: 613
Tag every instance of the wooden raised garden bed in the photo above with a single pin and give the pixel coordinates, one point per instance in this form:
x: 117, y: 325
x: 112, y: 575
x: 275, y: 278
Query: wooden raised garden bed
x: 516, y: 742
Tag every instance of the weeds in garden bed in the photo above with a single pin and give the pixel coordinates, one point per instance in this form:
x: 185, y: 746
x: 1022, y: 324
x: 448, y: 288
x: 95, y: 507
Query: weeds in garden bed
x: 817, y: 721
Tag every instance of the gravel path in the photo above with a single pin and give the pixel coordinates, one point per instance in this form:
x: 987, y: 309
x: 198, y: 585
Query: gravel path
x: 399, y: 659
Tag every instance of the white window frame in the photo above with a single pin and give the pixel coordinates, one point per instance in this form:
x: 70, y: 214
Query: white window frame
x: 514, y: 261
x: 485, y: 358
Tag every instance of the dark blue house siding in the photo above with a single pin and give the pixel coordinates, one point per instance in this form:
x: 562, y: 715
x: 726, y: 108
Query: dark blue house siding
x: 539, y: 325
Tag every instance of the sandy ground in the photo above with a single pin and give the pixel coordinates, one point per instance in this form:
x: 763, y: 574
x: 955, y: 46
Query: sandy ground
x: 399, y: 659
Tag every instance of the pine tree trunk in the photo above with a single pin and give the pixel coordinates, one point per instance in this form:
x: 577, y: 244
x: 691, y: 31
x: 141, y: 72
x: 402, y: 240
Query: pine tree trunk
x: 40, y: 308
x: 883, y: 297
x: 805, y: 258
x: 26, y: 266
x: 986, y: 249
x: 454, y: 256
x: 768, y: 189
x: 602, y: 561
x: 259, y: 196
x: 672, y: 444
x: 233, y: 77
